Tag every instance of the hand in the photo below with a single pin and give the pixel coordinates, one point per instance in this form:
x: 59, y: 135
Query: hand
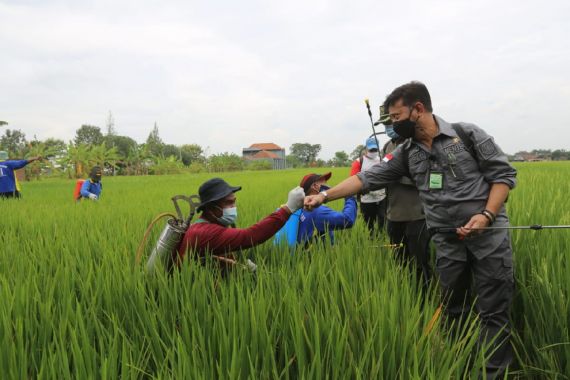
x: 314, y: 201
x: 93, y: 197
x: 477, y: 221
x: 37, y: 158
x: 295, y: 199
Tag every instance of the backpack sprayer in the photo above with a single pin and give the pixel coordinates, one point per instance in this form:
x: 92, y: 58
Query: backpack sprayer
x: 171, y: 236
x: 164, y: 251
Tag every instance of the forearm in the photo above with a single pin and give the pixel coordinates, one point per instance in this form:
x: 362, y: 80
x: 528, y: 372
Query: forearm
x: 232, y: 239
x: 350, y: 186
x: 497, y: 197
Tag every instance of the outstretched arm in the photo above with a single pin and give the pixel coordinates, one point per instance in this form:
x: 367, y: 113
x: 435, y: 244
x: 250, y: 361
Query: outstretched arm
x: 348, y: 187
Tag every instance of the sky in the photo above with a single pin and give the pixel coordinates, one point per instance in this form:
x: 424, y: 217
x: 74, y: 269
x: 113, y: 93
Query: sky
x: 226, y: 74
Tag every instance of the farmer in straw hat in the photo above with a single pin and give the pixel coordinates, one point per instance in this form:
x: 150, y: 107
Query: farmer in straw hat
x: 210, y: 233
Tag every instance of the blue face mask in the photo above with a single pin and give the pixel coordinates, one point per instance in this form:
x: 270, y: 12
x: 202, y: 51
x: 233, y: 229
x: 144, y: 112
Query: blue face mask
x: 229, y: 216
x: 391, y: 133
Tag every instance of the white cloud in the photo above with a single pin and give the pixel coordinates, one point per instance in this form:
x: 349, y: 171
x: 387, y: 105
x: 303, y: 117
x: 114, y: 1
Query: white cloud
x: 227, y: 74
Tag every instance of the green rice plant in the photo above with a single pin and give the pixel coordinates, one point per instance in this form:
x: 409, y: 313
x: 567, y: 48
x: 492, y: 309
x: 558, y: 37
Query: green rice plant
x: 74, y: 305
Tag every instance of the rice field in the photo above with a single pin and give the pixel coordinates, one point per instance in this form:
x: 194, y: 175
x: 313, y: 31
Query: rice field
x: 75, y: 305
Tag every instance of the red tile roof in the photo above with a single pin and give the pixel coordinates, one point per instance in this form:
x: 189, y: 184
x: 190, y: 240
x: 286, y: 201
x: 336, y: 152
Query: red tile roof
x: 265, y: 154
x: 266, y: 146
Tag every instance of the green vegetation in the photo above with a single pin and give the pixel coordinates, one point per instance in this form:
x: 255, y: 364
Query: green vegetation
x: 75, y: 306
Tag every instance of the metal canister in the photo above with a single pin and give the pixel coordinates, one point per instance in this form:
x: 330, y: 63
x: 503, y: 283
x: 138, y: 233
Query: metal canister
x: 166, y: 246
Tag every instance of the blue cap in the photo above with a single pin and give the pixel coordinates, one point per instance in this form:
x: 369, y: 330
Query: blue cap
x: 371, y: 143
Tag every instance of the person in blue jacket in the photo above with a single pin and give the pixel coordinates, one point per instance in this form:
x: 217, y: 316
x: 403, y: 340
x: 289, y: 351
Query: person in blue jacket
x: 92, y: 187
x: 316, y: 224
x: 8, y: 181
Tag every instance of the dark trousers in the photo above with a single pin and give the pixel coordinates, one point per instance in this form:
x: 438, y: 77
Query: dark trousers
x: 493, y: 285
x: 374, y: 215
x: 415, y: 251
x: 14, y: 194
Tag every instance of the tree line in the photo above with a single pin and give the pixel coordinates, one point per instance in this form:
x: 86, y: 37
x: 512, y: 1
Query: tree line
x: 122, y: 155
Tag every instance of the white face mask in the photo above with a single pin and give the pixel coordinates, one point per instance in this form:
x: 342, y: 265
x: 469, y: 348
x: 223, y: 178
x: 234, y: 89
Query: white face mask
x: 372, y: 155
x: 229, y: 216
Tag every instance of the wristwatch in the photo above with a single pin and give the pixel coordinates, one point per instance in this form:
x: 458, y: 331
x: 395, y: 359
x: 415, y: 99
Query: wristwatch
x: 325, y: 194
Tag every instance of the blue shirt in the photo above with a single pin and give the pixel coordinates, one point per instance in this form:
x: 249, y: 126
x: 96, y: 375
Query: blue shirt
x: 323, y: 219
x: 90, y: 187
x: 7, y: 178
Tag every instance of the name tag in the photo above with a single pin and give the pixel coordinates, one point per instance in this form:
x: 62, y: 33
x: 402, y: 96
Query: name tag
x: 436, y: 181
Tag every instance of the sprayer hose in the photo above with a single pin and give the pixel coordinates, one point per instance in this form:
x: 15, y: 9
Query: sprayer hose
x: 140, y: 249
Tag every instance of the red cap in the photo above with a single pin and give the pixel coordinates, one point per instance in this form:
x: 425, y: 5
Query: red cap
x: 309, y: 179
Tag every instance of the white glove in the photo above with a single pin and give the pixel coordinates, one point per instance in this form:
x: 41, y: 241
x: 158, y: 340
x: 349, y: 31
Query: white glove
x: 93, y: 197
x: 251, y: 265
x: 295, y: 199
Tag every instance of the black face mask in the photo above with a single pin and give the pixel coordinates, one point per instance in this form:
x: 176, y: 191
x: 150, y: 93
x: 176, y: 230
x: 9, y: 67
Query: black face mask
x: 405, y: 128
x: 95, y: 174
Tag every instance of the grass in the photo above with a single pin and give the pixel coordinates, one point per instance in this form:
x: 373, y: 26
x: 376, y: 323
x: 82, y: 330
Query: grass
x: 75, y: 306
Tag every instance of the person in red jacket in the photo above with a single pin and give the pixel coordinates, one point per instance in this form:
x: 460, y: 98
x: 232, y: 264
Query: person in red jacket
x: 211, y: 235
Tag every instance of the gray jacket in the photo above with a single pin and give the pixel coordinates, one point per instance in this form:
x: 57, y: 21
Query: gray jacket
x: 466, y: 181
x: 404, y: 204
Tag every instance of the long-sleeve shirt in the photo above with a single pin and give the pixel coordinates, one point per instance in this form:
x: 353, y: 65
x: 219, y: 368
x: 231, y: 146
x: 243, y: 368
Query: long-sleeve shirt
x: 204, y: 237
x: 453, y: 184
x: 90, y: 187
x: 7, y: 177
x: 361, y: 165
x: 323, y: 219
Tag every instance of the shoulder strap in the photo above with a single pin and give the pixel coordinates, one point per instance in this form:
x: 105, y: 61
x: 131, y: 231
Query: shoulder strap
x: 361, y: 160
x: 386, y: 146
x: 406, y: 162
x: 465, y: 139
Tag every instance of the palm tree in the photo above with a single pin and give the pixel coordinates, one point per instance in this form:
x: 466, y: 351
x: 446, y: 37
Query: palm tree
x: 77, y: 157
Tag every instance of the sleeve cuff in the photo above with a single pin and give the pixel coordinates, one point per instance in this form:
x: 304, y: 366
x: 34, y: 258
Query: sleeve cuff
x: 365, y: 185
x: 510, y: 183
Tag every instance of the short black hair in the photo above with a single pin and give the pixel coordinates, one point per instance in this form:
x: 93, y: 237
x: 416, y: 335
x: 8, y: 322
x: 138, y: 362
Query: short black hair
x: 410, y: 93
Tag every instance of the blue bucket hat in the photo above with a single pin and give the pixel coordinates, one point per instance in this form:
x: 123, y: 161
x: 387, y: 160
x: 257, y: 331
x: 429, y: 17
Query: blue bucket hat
x: 371, y: 143
x: 213, y: 190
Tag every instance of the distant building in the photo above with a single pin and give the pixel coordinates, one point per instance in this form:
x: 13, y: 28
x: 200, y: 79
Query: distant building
x: 269, y: 152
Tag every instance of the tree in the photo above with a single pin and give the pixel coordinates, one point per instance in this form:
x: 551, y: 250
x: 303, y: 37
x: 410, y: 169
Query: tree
x: 305, y: 152
x: 154, y: 143
x: 124, y: 144
x: 340, y: 159
x: 37, y: 148
x: 55, y: 147
x: 78, y: 156
x: 357, y: 152
x: 88, y: 134
x: 191, y: 153
x: 3, y: 123
x: 14, y: 141
x: 560, y: 154
x: 171, y: 150
x: 225, y: 162
x: 293, y: 161
x: 111, y: 131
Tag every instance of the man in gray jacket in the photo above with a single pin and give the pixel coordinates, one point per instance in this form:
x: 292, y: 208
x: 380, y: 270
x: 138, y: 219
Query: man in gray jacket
x: 463, y: 179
